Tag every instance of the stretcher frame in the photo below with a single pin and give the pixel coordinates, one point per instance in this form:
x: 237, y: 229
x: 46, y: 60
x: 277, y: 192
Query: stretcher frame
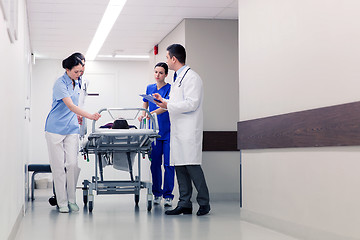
x: 105, y: 141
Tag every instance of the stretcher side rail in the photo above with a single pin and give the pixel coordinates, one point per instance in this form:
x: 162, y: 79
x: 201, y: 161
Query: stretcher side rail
x: 104, y: 142
x: 153, y: 117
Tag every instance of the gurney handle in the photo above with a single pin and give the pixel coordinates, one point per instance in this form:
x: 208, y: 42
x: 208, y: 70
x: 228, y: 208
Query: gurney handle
x: 153, y: 117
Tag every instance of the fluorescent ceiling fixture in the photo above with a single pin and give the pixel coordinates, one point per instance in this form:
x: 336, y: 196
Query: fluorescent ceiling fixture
x: 107, y: 22
x: 125, y: 56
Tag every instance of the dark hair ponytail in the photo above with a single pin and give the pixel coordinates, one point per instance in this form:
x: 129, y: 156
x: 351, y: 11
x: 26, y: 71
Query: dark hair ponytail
x: 163, y: 65
x: 72, y: 61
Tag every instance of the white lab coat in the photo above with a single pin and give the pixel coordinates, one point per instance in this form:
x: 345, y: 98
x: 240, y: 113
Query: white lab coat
x: 186, y: 118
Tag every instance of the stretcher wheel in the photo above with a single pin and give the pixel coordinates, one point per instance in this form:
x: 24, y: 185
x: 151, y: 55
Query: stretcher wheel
x: 149, y: 206
x: 85, y: 198
x: 137, y: 198
x: 85, y: 195
x: 90, y: 206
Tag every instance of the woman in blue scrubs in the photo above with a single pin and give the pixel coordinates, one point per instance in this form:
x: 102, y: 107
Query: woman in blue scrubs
x: 62, y: 133
x: 162, y: 147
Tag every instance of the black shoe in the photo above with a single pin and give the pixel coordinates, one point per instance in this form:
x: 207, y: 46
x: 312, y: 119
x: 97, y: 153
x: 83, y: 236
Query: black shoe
x: 203, y: 210
x: 179, y: 210
x: 53, y: 201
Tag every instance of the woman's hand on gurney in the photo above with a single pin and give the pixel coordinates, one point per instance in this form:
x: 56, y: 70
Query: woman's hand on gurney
x: 140, y: 118
x: 162, y: 103
x: 80, y: 119
x: 95, y: 116
x: 78, y: 111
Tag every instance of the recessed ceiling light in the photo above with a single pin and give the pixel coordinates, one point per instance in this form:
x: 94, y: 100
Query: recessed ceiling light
x: 133, y: 56
x: 107, y: 22
x: 125, y: 56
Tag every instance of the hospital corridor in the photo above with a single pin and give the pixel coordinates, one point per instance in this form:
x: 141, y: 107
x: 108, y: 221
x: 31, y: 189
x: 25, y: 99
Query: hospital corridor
x: 180, y: 119
x: 117, y: 217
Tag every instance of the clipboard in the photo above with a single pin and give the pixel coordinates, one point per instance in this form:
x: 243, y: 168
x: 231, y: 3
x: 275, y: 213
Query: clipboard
x: 150, y: 98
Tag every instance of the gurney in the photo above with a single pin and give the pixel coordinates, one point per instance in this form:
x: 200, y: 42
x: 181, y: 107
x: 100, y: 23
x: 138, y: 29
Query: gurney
x: 119, y: 147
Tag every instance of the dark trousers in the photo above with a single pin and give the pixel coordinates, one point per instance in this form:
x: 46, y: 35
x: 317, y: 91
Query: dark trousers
x: 186, y: 175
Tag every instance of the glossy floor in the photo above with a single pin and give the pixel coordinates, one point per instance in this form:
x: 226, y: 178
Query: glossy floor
x: 116, y: 217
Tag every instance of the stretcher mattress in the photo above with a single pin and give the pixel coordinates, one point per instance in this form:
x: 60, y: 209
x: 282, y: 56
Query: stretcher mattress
x: 122, y: 132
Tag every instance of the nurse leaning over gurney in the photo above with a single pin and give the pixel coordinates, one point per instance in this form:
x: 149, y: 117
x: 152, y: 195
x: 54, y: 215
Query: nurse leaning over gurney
x: 62, y: 133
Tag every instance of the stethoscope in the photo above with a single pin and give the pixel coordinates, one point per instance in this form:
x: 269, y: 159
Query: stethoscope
x: 85, y: 86
x: 79, y: 81
x: 183, y: 77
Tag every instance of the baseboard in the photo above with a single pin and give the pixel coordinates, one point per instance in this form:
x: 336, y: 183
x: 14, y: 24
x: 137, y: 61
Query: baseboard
x: 17, y: 223
x: 224, y: 197
x: 218, y: 197
x: 289, y: 228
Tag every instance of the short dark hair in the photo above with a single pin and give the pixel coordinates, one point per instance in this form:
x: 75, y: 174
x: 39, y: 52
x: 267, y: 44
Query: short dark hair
x: 178, y: 51
x: 163, y: 65
x: 72, y: 61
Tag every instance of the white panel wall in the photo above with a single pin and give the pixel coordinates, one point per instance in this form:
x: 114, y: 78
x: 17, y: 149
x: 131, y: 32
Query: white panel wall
x: 298, y: 55
x: 177, y: 35
x: 212, y: 47
x: 14, y: 72
x: 212, y: 51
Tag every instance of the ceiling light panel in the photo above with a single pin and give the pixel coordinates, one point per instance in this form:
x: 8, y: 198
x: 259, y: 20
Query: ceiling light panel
x: 111, y: 14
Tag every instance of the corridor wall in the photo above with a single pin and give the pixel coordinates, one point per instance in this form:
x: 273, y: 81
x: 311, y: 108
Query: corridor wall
x: 294, y: 56
x: 15, y: 69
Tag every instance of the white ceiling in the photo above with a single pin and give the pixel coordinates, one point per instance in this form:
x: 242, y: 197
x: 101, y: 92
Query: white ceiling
x: 61, y: 27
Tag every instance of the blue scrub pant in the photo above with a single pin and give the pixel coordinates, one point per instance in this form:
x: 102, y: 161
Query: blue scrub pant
x: 162, y: 148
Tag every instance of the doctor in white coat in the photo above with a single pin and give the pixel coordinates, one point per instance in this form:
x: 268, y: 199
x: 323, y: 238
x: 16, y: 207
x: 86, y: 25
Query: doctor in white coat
x: 186, y: 119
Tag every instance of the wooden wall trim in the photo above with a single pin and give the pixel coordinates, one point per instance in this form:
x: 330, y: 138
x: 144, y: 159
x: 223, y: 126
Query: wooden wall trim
x: 328, y: 126
x: 220, y: 141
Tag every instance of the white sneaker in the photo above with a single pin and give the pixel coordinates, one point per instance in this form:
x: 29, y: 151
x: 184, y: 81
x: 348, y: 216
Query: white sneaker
x: 64, y: 209
x: 73, y: 207
x: 168, y: 202
x: 157, y: 200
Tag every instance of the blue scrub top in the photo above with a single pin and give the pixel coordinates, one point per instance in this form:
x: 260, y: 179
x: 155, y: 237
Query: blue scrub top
x: 163, y: 119
x: 60, y: 119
